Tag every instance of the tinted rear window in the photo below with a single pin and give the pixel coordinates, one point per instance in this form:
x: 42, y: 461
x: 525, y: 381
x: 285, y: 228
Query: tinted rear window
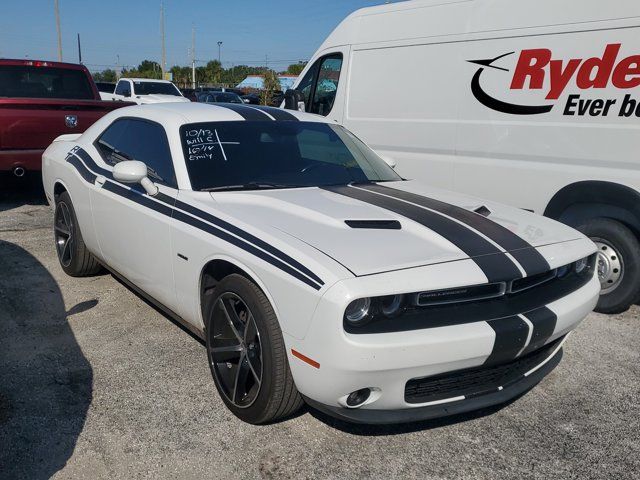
x: 44, y: 82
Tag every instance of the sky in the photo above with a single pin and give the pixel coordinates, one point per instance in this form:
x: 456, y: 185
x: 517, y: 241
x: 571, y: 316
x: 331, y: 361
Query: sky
x: 285, y: 31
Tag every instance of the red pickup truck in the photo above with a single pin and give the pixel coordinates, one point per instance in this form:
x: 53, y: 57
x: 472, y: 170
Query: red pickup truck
x: 40, y: 101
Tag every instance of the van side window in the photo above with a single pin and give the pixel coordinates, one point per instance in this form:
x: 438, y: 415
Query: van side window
x: 132, y: 139
x: 327, y: 84
x: 122, y: 86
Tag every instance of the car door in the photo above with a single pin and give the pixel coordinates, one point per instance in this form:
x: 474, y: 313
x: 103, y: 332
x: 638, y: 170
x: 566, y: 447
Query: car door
x: 133, y: 228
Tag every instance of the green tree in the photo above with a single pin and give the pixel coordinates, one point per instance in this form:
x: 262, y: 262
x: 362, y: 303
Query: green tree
x: 270, y: 85
x: 107, y: 75
x: 296, y: 68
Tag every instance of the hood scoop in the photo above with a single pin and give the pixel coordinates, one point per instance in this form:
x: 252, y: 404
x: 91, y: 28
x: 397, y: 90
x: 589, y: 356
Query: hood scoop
x: 482, y: 210
x: 375, y: 224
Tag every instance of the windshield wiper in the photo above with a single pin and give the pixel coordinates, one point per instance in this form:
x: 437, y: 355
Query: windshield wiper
x: 247, y: 186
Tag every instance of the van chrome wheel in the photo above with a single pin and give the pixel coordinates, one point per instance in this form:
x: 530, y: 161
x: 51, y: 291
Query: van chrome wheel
x: 235, y: 351
x: 610, y: 266
x: 63, y: 231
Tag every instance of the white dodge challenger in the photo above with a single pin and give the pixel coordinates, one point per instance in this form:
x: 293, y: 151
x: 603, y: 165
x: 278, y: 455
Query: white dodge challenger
x: 312, y: 271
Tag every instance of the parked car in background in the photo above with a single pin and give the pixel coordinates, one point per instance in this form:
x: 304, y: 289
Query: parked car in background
x: 144, y: 90
x: 534, y: 104
x: 219, y: 97
x: 190, y: 93
x: 311, y: 269
x: 251, y: 98
x: 39, y: 101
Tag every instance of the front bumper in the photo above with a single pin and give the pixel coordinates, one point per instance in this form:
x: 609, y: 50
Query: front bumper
x: 385, y: 362
x: 406, y: 415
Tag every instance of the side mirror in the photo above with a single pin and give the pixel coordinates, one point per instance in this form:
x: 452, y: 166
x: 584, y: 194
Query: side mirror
x: 126, y: 93
x: 389, y: 161
x: 133, y: 171
x: 293, y: 100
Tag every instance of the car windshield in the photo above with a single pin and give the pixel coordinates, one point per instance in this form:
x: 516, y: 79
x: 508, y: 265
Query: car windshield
x: 148, y: 88
x: 251, y: 155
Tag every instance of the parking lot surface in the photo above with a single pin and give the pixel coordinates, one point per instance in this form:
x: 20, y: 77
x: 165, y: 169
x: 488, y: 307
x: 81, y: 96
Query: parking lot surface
x: 95, y: 383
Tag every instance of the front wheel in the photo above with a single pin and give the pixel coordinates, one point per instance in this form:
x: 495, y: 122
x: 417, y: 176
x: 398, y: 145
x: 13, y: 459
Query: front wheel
x: 246, y: 353
x: 618, y: 264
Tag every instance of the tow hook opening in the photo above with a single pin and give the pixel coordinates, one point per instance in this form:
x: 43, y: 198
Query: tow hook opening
x: 19, y: 172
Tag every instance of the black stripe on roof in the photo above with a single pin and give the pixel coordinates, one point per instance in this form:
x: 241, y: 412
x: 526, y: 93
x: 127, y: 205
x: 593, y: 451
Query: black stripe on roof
x: 247, y: 113
x: 277, y: 113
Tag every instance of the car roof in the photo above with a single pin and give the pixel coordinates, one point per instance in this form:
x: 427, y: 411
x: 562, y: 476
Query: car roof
x: 180, y: 113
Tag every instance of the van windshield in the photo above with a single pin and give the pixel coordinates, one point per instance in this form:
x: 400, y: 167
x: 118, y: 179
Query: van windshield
x: 252, y: 155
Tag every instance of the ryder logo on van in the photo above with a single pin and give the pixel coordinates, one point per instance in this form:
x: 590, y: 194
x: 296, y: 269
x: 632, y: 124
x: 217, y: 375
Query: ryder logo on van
x: 537, y: 70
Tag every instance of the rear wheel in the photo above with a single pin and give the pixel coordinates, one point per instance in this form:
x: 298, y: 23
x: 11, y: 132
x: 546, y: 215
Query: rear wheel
x: 618, y: 264
x: 73, y: 255
x: 246, y: 353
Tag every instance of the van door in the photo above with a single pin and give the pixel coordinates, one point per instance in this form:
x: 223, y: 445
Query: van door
x: 321, y: 86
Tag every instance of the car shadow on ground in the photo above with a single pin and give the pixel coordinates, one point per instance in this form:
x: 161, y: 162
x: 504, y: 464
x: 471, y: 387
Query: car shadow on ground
x: 46, y: 382
x: 15, y: 192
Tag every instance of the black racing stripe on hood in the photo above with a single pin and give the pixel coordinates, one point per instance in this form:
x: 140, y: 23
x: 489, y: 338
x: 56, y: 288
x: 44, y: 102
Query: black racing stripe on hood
x: 525, y: 254
x: 544, y: 323
x: 496, y: 266
x: 247, y: 113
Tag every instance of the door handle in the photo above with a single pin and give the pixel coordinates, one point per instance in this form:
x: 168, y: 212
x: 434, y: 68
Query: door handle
x: 100, y: 179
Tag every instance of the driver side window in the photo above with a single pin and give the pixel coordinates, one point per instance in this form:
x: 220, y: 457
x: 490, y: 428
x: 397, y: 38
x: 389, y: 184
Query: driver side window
x: 146, y: 141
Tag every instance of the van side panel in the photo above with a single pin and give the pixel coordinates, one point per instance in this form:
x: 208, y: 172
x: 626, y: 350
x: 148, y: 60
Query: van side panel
x: 414, y: 124
x: 523, y: 159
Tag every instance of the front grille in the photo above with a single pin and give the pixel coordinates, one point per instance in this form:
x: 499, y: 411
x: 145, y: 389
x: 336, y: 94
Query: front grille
x: 475, y: 381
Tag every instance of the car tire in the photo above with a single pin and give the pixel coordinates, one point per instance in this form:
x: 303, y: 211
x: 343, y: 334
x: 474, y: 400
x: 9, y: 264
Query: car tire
x: 246, y: 352
x: 74, y: 257
x: 618, y: 263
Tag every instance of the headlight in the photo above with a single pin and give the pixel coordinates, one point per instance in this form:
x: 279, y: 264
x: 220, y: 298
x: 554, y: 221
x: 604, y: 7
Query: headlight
x: 581, y: 265
x: 563, y: 271
x: 357, y: 312
x: 391, y: 305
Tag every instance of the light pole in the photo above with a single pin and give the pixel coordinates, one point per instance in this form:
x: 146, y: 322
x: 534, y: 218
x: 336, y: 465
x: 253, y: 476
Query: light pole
x: 57, y: 11
x: 219, y: 55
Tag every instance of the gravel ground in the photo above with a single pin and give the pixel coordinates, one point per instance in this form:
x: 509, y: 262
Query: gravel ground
x: 95, y: 383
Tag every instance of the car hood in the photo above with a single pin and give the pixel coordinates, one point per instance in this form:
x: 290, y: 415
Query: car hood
x: 373, y: 243
x: 159, y: 98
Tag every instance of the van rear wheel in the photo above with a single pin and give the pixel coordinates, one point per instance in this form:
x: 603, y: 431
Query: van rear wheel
x: 618, y: 264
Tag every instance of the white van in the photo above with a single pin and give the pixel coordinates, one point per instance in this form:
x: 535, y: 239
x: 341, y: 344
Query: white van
x: 531, y: 103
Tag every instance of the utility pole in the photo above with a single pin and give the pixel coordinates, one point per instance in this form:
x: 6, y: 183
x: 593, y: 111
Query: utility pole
x: 79, y: 50
x: 266, y: 61
x: 163, y: 64
x: 55, y: 3
x: 193, y: 57
x: 219, y: 54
